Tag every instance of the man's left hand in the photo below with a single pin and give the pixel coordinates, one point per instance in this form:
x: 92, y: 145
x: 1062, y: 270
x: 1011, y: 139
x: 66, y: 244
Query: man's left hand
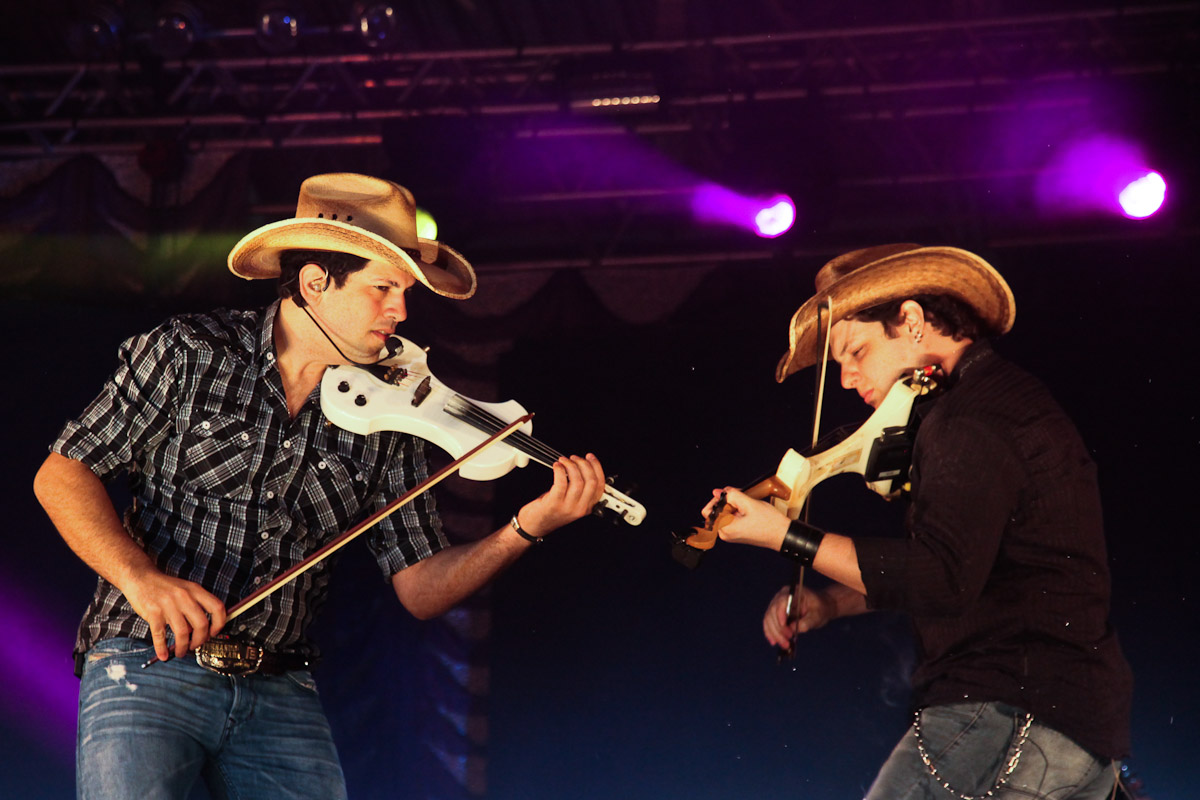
x: 753, y: 521
x: 577, y: 488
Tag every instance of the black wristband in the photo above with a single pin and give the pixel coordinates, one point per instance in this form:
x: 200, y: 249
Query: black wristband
x: 529, y: 537
x: 801, y: 542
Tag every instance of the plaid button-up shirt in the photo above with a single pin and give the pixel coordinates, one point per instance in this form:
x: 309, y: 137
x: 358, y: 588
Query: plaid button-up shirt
x: 228, y: 490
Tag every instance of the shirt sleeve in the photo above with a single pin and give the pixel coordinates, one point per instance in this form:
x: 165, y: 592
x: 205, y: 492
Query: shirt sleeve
x: 134, y: 410
x: 966, y: 482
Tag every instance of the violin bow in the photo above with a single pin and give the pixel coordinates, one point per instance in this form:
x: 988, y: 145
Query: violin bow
x: 332, y: 546
x: 793, y: 604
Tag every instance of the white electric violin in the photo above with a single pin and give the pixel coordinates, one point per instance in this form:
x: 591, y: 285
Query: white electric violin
x: 403, y: 395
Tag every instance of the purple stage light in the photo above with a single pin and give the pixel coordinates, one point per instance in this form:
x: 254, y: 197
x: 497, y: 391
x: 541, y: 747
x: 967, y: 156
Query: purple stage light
x: 777, y: 218
x: 1102, y: 173
x: 770, y: 218
x: 36, y: 668
x: 1143, y: 196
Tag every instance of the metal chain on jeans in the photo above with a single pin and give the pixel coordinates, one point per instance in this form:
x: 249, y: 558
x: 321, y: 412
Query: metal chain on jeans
x: 1013, y: 760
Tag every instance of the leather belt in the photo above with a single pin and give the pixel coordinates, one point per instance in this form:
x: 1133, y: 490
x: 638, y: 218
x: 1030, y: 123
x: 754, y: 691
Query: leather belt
x: 232, y: 657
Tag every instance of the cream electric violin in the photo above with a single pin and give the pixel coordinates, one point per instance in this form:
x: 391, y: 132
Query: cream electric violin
x: 403, y: 395
x: 880, y: 450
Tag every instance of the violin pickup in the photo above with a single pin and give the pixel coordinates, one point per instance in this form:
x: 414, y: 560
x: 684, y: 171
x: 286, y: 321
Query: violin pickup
x: 421, y: 392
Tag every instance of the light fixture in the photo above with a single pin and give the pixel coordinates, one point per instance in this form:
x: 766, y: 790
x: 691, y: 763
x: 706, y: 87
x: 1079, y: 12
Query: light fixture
x: 176, y: 29
x: 625, y: 100
x: 766, y: 217
x: 1142, y: 196
x: 277, y: 29
x: 426, y: 224
x: 377, y: 24
x: 96, y: 35
x: 1103, y: 172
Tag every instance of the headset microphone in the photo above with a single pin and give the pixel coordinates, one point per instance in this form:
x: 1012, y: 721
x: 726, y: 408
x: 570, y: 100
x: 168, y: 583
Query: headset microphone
x: 393, y: 344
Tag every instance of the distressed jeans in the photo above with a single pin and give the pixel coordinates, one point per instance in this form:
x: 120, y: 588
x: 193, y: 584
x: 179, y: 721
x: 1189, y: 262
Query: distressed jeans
x: 969, y: 745
x: 152, y: 733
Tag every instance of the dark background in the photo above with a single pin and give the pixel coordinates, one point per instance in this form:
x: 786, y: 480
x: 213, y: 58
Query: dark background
x: 597, y: 667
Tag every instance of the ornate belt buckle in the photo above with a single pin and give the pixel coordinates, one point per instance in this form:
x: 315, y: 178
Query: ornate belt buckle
x: 227, y: 657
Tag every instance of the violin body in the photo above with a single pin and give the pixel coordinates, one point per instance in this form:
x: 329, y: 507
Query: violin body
x: 361, y: 400
x: 403, y: 395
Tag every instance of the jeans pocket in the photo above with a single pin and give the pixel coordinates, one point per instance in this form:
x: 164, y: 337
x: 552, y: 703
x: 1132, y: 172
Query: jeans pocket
x: 120, y: 648
x: 965, y: 744
x: 303, y: 679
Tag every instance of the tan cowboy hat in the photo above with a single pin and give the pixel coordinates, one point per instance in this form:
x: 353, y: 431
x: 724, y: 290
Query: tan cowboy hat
x: 864, y: 278
x: 360, y: 215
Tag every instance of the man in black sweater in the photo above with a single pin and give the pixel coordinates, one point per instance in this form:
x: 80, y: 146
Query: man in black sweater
x: 1020, y: 689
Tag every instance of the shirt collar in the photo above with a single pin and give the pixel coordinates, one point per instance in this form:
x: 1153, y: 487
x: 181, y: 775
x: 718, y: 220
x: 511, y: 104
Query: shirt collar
x: 976, y: 352
x: 266, y: 338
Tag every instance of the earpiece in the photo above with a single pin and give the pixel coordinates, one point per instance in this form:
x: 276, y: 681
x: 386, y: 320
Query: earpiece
x: 299, y: 298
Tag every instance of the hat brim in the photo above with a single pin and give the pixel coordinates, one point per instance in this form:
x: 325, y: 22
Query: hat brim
x: 923, y: 270
x: 440, y: 268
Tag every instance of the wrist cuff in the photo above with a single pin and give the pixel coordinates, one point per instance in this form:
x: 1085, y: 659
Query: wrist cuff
x: 801, y: 542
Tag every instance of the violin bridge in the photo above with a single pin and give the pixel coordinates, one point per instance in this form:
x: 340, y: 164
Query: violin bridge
x: 395, y: 375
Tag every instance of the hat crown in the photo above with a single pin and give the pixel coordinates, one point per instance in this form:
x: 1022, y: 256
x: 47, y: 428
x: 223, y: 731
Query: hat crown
x: 847, y: 263
x: 368, y: 217
x: 373, y: 204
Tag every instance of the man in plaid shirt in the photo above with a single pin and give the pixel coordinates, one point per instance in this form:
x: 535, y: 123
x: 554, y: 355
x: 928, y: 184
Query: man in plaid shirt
x: 237, y: 477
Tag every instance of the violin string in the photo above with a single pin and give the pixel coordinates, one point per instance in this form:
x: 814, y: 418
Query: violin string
x: 486, y: 422
x: 463, y: 409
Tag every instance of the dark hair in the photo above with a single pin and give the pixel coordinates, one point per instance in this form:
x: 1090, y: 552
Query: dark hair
x: 338, y: 266
x: 947, y: 314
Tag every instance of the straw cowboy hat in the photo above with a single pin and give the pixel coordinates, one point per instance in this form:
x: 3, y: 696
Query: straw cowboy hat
x: 360, y: 215
x: 864, y: 278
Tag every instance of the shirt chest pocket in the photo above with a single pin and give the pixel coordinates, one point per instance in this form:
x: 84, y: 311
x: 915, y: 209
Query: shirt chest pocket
x: 340, y: 477
x: 333, y: 489
x: 217, y: 454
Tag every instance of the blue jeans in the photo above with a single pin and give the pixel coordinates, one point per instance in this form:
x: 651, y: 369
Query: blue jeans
x: 152, y: 733
x: 968, y: 744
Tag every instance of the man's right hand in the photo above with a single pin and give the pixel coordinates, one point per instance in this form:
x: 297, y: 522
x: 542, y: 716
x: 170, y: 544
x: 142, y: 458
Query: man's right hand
x: 191, y: 612
x: 79, y: 506
x: 816, y: 609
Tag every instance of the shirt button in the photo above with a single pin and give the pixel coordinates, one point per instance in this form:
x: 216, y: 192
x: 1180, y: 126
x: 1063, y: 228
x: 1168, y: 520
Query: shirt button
x: 358, y: 476
x: 245, y: 436
x: 258, y: 580
x: 270, y: 495
x: 241, y: 627
x: 206, y: 424
x: 270, y: 356
x: 264, y: 536
x: 321, y: 465
x: 287, y: 443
